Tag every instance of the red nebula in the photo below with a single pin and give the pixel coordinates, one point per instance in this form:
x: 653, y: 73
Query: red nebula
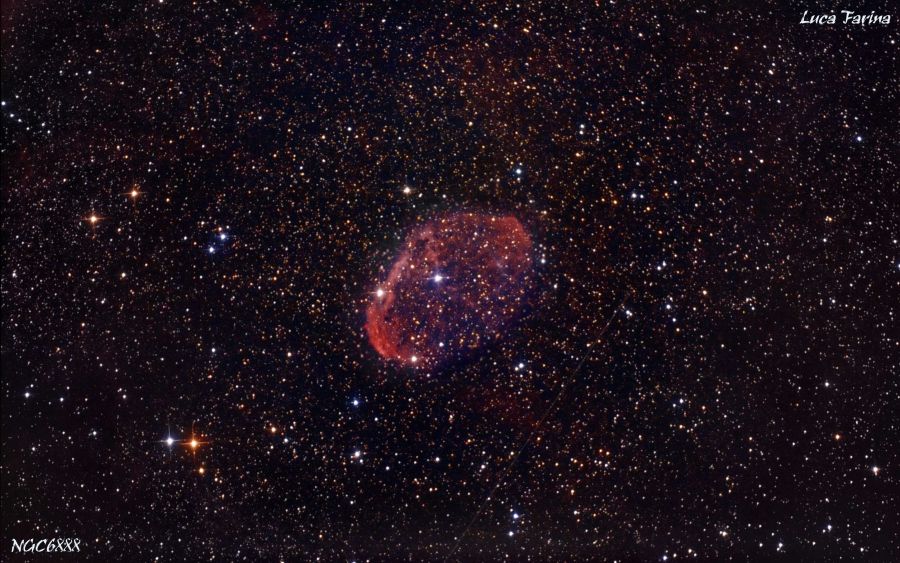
x: 457, y: 282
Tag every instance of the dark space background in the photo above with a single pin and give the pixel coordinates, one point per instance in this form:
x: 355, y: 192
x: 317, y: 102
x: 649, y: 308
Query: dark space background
x: 718, y: 183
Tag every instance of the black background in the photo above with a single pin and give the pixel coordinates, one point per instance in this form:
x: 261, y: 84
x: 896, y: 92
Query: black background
x: 754, y: 156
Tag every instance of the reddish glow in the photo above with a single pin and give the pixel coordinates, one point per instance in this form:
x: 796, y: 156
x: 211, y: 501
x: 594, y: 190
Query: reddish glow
x: 455, y: 284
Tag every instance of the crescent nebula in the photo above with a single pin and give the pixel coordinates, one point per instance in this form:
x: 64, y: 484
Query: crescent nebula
x: 456, y: 283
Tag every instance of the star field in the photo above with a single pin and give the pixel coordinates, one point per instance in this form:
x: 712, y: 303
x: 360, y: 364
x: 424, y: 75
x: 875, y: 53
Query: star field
x: 202, y: 200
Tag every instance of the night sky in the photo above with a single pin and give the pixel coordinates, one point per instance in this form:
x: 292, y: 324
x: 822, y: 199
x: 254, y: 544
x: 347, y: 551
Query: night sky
x: 541, y: 281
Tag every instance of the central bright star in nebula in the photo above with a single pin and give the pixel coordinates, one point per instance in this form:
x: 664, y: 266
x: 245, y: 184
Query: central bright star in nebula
x: 457, y: 283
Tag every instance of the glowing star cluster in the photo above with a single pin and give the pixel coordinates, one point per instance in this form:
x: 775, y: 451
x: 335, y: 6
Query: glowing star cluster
x: 457, y: 282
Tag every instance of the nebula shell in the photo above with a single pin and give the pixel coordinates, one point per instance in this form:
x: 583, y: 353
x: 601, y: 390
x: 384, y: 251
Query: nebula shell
x: 456, y: 283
